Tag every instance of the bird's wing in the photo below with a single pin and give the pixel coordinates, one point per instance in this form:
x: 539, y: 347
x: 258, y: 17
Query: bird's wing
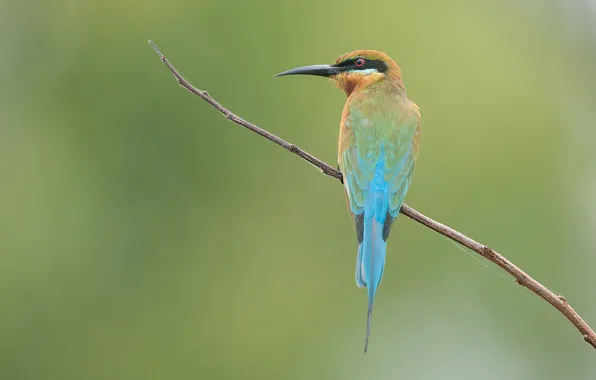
x: 400, y: 150
x: 358, y: 174
x: 400, y: 165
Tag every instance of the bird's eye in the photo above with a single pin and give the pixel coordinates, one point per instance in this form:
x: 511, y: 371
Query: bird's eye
x: 360, y: 62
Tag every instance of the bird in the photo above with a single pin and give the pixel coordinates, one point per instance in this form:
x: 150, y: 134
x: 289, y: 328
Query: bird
x: 379, y: 140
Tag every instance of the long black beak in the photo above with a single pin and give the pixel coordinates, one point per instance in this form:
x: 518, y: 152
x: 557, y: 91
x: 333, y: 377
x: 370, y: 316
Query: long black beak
x: 319, y: 70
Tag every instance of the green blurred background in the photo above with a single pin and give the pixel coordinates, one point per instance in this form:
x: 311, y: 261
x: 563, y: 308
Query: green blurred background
x: 144, y: 237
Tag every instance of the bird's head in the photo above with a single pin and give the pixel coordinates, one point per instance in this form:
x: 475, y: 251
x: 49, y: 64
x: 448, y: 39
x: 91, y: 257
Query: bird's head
x: 354, y: 70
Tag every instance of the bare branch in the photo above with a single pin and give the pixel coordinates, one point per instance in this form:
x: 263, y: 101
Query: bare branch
x: 557, y: 301
x: 326, y: 169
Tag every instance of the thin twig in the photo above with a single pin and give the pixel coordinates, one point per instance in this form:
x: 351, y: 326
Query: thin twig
x: 557, y: 301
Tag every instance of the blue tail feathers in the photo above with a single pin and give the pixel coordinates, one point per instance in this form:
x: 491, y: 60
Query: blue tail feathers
x: 371, y: 251
x: 370, y: 264
x: 371, y: 257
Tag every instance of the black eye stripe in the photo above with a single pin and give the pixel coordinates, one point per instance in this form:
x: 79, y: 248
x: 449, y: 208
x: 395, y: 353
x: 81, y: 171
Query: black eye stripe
x: 346, y: 63
x: 378, y: 64
x: 350, y: 64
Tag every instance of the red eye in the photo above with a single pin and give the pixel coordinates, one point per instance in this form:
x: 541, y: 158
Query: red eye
x: 360, y: 62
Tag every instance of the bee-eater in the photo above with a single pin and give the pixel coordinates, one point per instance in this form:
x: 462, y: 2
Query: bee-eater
x: 379, y: 137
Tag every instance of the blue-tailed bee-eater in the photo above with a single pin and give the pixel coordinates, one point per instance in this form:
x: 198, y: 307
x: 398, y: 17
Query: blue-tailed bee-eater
x: 379, y: 137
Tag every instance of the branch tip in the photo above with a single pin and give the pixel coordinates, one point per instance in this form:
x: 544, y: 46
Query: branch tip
x: 154, y: 46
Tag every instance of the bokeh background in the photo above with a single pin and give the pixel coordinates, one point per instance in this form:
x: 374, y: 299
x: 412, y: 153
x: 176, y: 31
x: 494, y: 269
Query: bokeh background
x: 142, y: 236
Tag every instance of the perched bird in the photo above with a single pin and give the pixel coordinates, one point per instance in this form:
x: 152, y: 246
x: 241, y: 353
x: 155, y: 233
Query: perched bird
x: 379, y: 138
